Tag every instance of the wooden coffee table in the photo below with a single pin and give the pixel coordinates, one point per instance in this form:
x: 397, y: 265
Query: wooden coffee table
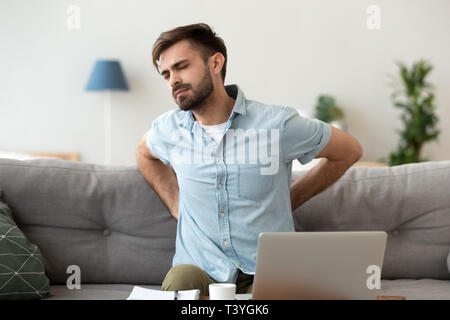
x: 378, y: 298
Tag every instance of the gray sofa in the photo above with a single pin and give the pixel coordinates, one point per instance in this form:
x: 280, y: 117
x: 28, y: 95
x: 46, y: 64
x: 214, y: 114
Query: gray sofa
x: 109, y: 222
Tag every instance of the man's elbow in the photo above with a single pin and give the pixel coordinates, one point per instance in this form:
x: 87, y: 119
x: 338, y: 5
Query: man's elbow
x: 138, y: 152
x: 357, y: 152
x: 141, y: 154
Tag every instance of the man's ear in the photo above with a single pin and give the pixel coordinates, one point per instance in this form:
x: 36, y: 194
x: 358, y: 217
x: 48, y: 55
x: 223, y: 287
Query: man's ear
x: 216, y: 62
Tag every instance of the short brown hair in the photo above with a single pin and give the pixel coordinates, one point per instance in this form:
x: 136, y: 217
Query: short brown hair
x: 201, y: 37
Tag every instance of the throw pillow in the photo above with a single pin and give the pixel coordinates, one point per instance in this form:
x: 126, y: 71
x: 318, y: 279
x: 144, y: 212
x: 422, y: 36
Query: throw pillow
x: 22, y: 274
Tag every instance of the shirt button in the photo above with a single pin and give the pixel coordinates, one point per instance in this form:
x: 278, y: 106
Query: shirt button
x: 219, y: 185
x: 225, y: 242
x: 222, y: 214
x: 217, y: 160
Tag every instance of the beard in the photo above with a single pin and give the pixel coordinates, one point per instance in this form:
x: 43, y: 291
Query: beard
x: 198, y: 96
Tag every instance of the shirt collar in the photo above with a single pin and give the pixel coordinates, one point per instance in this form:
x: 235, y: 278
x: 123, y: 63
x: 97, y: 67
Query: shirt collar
x: 234, y: 92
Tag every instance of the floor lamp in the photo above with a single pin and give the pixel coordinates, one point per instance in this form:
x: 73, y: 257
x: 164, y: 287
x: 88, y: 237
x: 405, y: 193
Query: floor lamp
x: 106, y: 76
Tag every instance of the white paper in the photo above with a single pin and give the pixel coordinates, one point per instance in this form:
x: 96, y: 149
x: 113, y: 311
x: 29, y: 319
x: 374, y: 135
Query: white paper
x: 188, y: 294
x: 140, y: 293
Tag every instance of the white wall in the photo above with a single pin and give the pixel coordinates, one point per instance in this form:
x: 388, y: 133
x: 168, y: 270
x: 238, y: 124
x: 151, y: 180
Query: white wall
x: 282, y: 52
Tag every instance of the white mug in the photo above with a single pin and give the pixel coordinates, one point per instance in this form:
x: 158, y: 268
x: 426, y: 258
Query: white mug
x: 222, y: 291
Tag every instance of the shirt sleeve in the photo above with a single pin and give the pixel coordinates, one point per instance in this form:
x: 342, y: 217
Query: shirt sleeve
x: 156, y: 144
x: 303, y: 138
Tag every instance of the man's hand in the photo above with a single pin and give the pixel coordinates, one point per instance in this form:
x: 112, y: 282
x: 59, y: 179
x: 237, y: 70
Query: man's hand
x: 159, y: 176
x: 341, y: 152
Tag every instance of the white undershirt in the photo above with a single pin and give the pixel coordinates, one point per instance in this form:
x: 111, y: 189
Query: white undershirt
x: 215, y: 131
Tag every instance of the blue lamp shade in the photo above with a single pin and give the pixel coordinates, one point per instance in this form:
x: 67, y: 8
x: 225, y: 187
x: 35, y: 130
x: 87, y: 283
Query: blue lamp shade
x: 107, y: 75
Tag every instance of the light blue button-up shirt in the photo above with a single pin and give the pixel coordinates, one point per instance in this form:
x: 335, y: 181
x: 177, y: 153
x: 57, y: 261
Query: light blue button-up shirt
x: 232, y: 191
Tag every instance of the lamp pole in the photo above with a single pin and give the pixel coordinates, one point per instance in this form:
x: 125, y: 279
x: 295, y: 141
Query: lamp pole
x: 107, y: 126
x: 107, y: 75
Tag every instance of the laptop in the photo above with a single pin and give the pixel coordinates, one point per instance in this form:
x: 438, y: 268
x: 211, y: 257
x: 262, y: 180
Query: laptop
x: 319, y: 265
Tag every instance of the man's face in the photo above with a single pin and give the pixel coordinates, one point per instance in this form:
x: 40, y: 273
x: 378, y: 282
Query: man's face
x: 183, y: 68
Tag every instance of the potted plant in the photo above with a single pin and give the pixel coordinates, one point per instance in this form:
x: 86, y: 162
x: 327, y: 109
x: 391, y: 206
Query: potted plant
x: 415, y: 97
x: 327, y: 111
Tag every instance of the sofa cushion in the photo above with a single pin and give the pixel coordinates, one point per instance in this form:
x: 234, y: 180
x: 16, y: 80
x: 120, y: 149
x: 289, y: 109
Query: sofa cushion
x: 106, y: 220
x: 448, y: 262
x: 108, y: 215
x: 95, y: 292
x: 22, y: 274
x: 410, y: 202
x: 422, y: 289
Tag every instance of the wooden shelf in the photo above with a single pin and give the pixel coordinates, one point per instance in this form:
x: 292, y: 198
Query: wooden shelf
x: 369, y: 164
x: 72, y: 156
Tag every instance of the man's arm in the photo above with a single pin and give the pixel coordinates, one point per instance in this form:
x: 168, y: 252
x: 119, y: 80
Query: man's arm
x: 159, y: 176
x: 341, y: 152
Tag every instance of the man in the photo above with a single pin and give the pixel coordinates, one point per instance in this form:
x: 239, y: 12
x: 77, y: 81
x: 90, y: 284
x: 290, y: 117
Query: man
x: 222, y: 163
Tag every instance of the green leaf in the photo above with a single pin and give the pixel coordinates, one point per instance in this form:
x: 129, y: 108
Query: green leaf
x: 416, y: 99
